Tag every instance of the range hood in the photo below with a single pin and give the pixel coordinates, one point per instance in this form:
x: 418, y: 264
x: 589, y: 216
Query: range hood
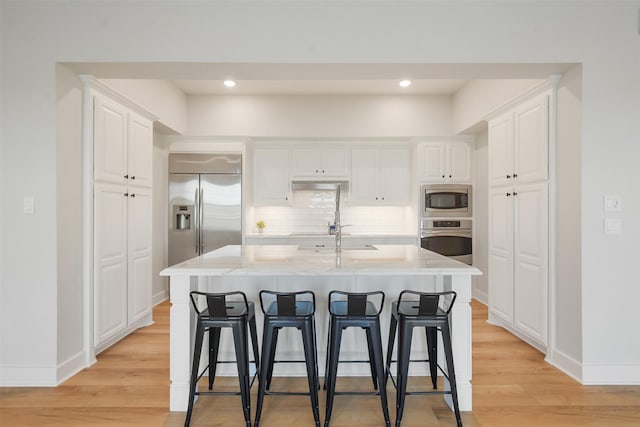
x: 318, y: 185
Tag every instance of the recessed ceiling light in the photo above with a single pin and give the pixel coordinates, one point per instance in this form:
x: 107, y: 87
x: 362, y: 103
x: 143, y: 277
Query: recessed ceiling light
x: 229, y: 83
x: 405, y: 83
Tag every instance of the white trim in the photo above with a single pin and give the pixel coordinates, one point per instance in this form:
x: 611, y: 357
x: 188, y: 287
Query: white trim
x: 481, y: 297
x: 93, y: 83
x: 533, y: 91
x: 497, y: 321
x: 144, y: 321
x: 159, y: 298
x: 70, y: 367
x: 614, y: 374
x: 28, y: 376
x: 565, y: 363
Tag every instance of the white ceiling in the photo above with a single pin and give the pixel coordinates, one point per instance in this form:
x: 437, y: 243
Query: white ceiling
x: 317, y: 79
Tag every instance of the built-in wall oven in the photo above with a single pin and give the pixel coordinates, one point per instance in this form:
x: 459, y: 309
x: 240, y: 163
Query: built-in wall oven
x: 449, y: 237
x: 445, y: 200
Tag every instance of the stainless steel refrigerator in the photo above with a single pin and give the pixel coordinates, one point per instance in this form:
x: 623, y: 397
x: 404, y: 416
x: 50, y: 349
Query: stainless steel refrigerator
x: 205, y: 203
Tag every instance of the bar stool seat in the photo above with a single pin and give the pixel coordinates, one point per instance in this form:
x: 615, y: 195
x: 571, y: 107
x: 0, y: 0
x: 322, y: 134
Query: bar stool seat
x: 224, y: 310
x: 284, y: 310
x: 355, y: 310
x: 431, y: 311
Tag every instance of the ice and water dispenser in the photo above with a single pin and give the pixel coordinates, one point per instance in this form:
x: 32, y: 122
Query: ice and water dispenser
x: 182, y: 215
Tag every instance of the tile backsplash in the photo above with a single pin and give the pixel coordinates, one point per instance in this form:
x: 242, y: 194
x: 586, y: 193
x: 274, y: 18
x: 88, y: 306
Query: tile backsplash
x: 312, y: 210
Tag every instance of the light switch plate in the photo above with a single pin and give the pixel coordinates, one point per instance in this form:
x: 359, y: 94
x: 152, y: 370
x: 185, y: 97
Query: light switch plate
x: 612, y: 203
x: 28, y: 205
x: 612, y: 225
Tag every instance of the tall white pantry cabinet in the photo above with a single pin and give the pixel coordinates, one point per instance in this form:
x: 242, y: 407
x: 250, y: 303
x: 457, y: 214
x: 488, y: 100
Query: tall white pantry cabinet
x: 518, y: 220
x: 122, y: 179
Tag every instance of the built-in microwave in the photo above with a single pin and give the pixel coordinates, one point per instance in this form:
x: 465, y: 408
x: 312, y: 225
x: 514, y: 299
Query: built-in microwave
x: 445, y: 200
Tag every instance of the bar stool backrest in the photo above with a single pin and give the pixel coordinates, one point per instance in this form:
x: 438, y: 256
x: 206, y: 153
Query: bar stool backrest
x: 413, y: 303
x: 227, y: 304
x: 356, y: 303
x: 302, y: 303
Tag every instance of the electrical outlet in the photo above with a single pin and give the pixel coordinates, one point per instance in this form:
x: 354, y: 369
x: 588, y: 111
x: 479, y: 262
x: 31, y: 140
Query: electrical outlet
x: 612, y: 226
x: 28, y: 205
x: 612, y: 203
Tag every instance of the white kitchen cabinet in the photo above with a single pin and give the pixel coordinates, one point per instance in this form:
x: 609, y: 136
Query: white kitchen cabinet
x: 271, y: 184
x: 519, y: 143
x: 123, y: 144
x: 445, y: 162
x: 379, y: 174
x: 318, y: 161
x: 518, y: 224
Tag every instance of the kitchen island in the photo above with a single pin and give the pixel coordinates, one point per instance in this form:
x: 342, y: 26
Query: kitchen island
x: 251, y: 268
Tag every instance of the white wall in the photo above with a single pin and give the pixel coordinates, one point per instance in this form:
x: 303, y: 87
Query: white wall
x: 569, y: 157
x: 69, y: 212
x: 602, y: 35
x: 481, y: 215
x: 159, y: 97
x: 478, y: 98
x: 160, y: 222
x: 319, y: 116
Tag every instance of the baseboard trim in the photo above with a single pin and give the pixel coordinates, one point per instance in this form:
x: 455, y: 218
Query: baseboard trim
x: 145, y: 321
x: 28, y: 376
x: 618, y: 374
x: 497, y: 321
x: 480, y: 297
x: 158, y: 298
x: 70, y: 367
x: 566, y: 364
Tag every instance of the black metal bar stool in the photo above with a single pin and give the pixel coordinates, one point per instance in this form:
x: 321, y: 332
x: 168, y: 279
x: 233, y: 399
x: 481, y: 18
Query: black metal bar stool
x: 355, y: 310
x: 429, y: 310
x: 224, y: 310
x: 285, y: 310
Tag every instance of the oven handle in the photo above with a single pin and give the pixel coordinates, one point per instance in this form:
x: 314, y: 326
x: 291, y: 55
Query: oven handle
x: 433, y: 233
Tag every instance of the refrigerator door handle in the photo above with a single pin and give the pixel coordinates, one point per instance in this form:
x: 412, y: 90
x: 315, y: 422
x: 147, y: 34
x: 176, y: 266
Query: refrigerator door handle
x: 197, y: 223
x: 201, y: 224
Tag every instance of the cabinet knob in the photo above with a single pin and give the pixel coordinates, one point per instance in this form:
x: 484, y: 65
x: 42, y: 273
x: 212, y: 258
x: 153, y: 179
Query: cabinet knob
x: 515, y: 175
x: 133, y: 177
x: 126, y: 194
x: 133, y: 194
x: 443, y: 176
x: 316, y: 170
x: 508, y: 194
x: 322, y: 170
x: 376, y: 198
x: 449, y: 176
x: 508, y: 176
x: 383, y: 198
x: 515, y: 194
x: 126, y: 177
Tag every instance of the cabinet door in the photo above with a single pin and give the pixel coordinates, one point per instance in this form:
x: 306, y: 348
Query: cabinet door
x: 394, y: 175
x: 110, y: 270
x: 271, y: 176
x: 335, y: 161
x: 531, y: 140
x: 458, y: 162
x: 139, y: 254
x: 110, y: 141
x: 140, y: 151
x: 306, y: 161
x: 530, y: 275
x: 501, y: 150
x: 501, y: 253
x: 433, y: 159
x: 364, y: 175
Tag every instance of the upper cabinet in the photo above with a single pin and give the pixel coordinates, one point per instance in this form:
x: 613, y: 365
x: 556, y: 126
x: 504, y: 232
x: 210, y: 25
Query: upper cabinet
x: 123, y: 144
x: 519, y: 142
x: 445, y: 162
x: 380, y: 174
x: 271, y: 183
x: 318, y: 161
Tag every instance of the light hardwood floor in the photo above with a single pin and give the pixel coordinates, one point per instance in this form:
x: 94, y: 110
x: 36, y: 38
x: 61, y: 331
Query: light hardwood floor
x: 512, y: 386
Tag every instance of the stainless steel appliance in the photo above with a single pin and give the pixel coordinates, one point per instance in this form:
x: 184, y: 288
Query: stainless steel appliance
x: 449, y: 237
x: 205, y: 203
x: 445, y: 200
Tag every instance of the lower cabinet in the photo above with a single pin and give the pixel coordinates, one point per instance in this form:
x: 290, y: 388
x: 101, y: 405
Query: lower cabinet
x: 122, y: 261
x: 518, y: 260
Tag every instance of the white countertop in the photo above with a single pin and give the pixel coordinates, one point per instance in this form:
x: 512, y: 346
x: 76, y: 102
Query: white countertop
x: 291, y: 260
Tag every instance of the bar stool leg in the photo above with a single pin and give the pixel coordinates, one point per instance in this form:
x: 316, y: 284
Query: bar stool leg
x: 242, y: 361
x: 311, y: 358
x: 375, y: 337
x: 272, y: 351
x: 326, y: 365
x: 214, y: 345
x: 332, y: 363
x: 254, y: 342
x: 432, y: 349
x: 195, y: 366
x: 404, y: 352
x: 392, y: 339
x: 267, y: 360
x: 372, y: 365
x: 446, y: 338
